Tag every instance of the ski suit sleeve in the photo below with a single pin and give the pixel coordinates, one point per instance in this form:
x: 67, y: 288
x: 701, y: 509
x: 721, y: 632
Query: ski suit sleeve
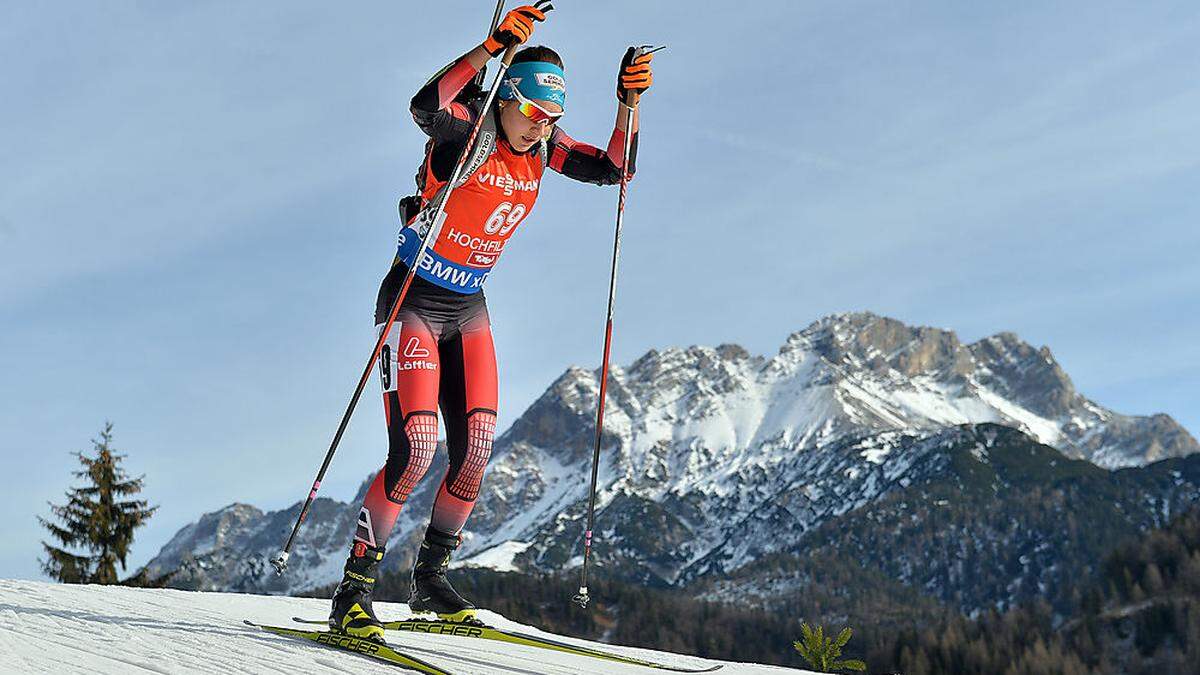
x: 588, y: 163
x: 434, y: 107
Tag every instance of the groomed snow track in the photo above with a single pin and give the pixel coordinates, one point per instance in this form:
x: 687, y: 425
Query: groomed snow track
x: 56, y: 628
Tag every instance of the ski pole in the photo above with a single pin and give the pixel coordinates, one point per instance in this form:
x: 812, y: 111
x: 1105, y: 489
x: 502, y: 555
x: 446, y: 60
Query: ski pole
x: 582, y: 597
x: 482, y: 74
x: 280, y: 561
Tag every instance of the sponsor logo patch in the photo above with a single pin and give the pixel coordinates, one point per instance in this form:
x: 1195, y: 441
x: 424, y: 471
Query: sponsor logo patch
x: 414, y: 350
x: 550, y: 81
x: 479, y: 259
x: 508, y: 183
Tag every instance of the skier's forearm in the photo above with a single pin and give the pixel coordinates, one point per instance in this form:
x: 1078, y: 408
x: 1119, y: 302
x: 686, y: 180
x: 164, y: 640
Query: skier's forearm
x: 616, y: 143
x: 478, y: 57
x: 622, y: 109
x: 433, y: 107
x: 588, y: 163
x: 459, y: 74
x: 439, y: 92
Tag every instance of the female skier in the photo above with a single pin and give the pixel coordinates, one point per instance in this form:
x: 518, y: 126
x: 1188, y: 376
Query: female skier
x: 439, y: 351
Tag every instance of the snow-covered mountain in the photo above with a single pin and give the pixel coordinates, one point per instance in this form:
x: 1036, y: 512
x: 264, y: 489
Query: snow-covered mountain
x: 58, y: 628
x: 712, y: 457
x: 974, y: 517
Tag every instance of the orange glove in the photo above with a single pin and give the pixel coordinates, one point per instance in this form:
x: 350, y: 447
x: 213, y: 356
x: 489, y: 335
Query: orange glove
x: 635, y: 75
x: 516, y: 27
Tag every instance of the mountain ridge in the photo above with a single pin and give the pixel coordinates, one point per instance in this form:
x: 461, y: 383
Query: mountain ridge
x: 701, y: 440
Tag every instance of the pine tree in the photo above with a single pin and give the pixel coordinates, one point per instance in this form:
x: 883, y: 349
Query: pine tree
x: 1154, y: 580
x: 822, y: 652
x: 95, y: 519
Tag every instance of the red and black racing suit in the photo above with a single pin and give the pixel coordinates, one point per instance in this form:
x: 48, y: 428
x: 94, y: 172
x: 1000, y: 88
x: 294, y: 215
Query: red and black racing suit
x: 439, y: 352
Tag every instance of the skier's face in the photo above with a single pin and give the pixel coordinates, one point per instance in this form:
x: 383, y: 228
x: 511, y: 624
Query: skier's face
x: 522, y: 133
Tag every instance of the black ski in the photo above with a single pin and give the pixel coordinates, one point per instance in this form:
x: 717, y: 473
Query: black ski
x: 485, y: 632
x: 348, y: 643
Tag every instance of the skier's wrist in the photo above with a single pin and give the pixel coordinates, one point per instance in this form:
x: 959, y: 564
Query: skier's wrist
x: 478, y: 57
x: 492, y: 46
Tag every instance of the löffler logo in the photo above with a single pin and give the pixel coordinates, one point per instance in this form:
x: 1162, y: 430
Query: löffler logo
x: 414, y: 350
x: 413, y: 355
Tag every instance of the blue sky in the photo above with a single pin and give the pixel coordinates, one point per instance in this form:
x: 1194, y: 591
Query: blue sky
x: 197, y: 201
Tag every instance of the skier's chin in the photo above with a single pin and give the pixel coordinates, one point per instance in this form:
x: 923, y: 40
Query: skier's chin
x: 522, y: 144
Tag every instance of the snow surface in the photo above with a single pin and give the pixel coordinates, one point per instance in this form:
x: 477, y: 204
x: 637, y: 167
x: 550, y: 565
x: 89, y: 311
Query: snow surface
x: 56, y: 628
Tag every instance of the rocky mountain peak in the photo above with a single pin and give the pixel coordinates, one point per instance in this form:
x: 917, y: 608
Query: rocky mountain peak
x: 1017, y: 370
x: 733, y: 352
x: 673, y: 369
x: 559, y: 418
x: 213, y: 531
x: 881, y: 344
x: 893, y: 375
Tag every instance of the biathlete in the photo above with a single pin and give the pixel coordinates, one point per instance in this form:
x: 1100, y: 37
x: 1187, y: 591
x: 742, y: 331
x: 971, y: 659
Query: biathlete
x: 439, y: 352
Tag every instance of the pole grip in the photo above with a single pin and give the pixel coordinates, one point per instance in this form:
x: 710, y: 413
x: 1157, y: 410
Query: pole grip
x: 482, y: 74
x: 509, y: 53
x: 631, y: 97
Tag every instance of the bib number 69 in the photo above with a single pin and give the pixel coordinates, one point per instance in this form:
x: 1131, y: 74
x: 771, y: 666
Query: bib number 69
x: 506, y: 216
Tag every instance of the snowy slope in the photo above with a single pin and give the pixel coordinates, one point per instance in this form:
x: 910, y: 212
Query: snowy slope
x: 51, y: 628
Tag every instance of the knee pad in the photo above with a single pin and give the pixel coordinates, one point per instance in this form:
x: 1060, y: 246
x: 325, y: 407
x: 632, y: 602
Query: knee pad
x: 481, y: 431
x: 420, y: 431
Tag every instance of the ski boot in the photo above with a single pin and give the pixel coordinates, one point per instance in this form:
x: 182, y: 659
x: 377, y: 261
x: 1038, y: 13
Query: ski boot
x: 352, y: 613
x: 431, y: 590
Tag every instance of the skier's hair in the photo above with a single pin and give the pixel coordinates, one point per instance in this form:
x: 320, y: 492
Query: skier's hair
x: 538, y: 53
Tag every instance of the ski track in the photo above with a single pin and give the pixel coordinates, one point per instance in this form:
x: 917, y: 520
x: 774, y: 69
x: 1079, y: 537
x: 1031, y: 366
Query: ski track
x: 54, y: 628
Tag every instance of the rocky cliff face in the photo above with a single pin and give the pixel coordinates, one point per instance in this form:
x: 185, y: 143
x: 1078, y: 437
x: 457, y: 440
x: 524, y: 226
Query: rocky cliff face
x: 713, y: 457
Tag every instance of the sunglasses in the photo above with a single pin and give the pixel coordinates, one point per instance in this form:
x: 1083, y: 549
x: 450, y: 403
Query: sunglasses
x: 533, y: 111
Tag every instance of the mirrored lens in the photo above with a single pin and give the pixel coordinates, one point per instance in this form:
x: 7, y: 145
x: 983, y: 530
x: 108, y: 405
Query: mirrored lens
x: 532, y: 110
